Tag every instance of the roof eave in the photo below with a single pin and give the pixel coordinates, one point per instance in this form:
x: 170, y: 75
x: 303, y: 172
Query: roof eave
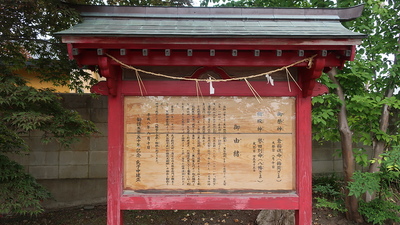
x: 343, y: 14
x: 320, y: 37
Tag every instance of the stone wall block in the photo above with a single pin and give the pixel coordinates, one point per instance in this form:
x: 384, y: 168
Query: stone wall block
x: 337, y: 165
x: 52, y: 158
x: 98, y: 171
x: 24, y: 134
x: 98, y: 157
x: 36, y: 133
x: 98, y: 143
x: 326, y: 144
x: 75, y: 101
x: 36, y: 145
x: 73, y: 158
x: 74, y: 192
x: 44, y: 172
x: 82, y: 145
x: 84, y: 113
x: 102, y: 128
x: 321, y: 154
x: 43, y: 158
x: 99, y: 115
x: 99, y: 102
x: 73, y: 171
x: 37, y: 158
x: 22, y: 159
x: 322, y: 167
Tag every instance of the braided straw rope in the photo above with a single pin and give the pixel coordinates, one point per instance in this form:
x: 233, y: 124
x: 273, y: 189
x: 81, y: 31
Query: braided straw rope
x: 309, y: 60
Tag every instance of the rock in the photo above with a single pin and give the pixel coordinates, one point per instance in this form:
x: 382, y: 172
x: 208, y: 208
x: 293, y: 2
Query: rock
x: 88, y: 207
x: 275, y: 217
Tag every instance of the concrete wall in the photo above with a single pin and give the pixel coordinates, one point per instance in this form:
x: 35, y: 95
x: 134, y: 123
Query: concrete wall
x: 77, y: 176
x: 325, y: 158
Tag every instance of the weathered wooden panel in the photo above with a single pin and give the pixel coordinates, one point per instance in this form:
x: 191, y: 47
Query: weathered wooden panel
x: 215, y: 144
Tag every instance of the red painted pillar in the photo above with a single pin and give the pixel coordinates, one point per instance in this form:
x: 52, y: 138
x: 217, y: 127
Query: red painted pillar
x: 115, y: 150
x: 304, y: 160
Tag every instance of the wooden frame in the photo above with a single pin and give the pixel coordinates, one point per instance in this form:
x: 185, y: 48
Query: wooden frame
x: 301, y: 201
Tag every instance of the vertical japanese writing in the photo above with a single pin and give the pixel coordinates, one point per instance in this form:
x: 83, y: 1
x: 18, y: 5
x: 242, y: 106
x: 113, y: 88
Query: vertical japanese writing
x: 138, y: 148
x: 260, y: 161
x: 172, y: 159
x: 198, y: 155
x: 209, y: 160
x: 214, y: 118
x: 203, y: 129
x: 193, y: 143
x: 208, y: 118
x: 279, y: 155
x: 172, y: 146
x: 260, y: 121
x: 198, y: 159
x: 157, y: 136
x: 183, y: 160
x: 224, y: 152
x: 236, y: 152
x: 219, y: 118
x: 183, y: 144
x: 273, y: 149
x: 221, y: 143
x: 254, y: 162
x: 203, y: 118
x: 214, y: 145
x: 214, y: 160
x: 138, y: 175
x: 148, y: 138
x: 279, y: 121
x: 224, y: 116
x: 188, y: 146
x: 219, y: 147
x: 224, y: 156
x: 209, y: 145
x: 167, y: 147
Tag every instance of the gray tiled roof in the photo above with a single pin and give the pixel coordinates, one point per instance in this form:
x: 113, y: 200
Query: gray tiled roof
x: 214, y: 22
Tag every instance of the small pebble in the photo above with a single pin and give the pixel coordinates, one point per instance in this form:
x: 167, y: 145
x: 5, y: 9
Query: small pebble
x: 88, y: 207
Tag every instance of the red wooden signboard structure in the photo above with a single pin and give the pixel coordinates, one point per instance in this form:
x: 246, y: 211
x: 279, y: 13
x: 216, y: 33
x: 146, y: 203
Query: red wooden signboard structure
x: 208, y: 55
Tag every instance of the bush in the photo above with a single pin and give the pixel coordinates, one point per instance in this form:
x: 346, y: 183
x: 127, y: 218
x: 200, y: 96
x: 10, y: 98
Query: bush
x: 20, y: 193
x: 378, y: 211
x: 384, y: 184
x: 24, y: 109
x: 328, y: 191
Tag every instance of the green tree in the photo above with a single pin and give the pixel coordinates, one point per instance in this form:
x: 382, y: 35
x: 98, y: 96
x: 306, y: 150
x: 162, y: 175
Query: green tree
x: 363, y: 95
x: 27, y: 43
x: 24, y: 109
x: 362, y: 99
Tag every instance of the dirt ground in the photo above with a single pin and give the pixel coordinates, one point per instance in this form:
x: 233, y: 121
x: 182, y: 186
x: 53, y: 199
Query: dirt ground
x: 96, y: 215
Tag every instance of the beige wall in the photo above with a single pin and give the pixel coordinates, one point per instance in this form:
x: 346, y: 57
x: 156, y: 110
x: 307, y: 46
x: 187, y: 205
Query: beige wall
x: 34, y: 81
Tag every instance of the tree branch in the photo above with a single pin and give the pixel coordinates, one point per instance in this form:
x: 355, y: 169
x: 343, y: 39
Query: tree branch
x: 346, y: 137
x: 5, y: 38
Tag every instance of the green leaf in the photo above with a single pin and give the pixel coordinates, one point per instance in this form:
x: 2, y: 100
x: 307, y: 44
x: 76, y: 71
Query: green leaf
x: 364, y: 182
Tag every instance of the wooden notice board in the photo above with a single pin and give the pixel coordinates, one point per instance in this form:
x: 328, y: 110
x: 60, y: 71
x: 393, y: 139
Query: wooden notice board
x: 209, y: 144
